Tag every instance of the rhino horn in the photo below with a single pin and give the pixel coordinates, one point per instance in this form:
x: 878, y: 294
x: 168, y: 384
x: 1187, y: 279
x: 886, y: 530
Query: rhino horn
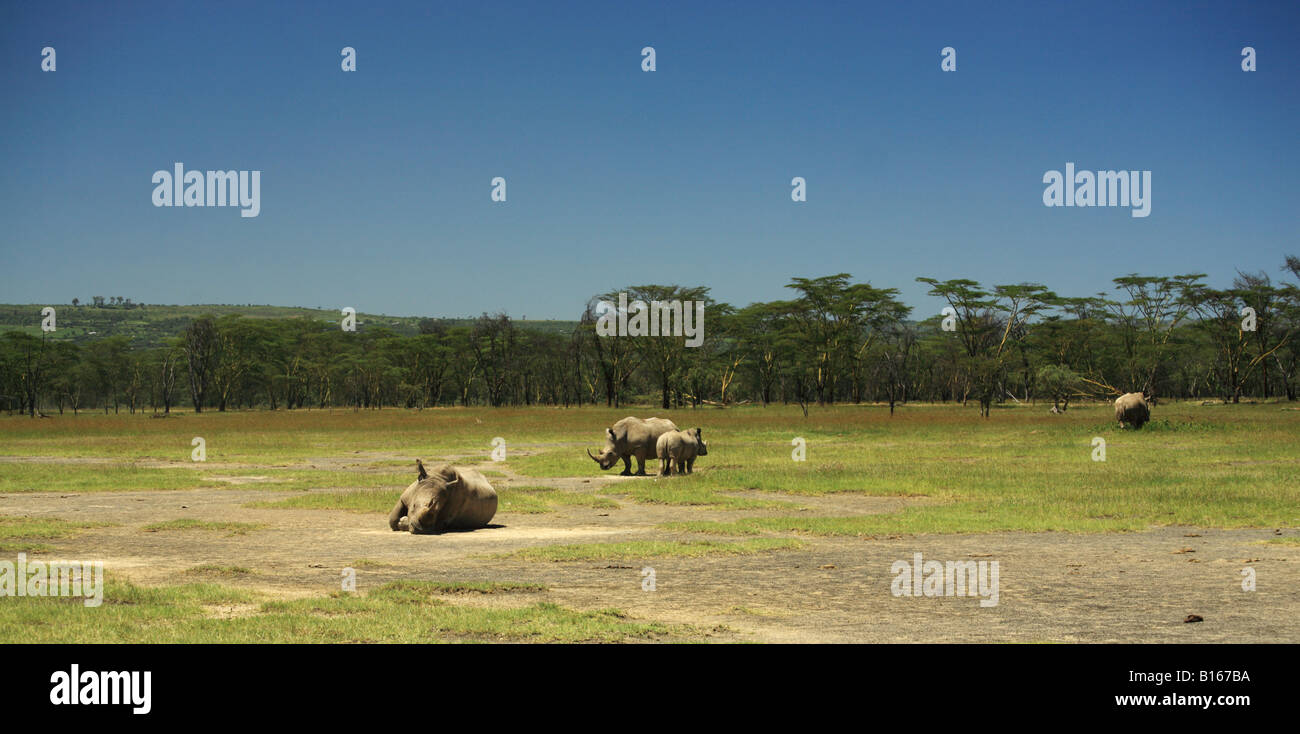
x: 593, y: 458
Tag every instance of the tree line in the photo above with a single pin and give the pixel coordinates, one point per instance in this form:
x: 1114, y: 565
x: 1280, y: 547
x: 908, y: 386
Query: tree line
x: 833, y: 341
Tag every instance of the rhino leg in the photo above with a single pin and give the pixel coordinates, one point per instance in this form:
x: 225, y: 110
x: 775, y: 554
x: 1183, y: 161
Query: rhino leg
x: 396, y: 517
x: 640, y: 465
x: 627, y: 467
x: 690, y: 465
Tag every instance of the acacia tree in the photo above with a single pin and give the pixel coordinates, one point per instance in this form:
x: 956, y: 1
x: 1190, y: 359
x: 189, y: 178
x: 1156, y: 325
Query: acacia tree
x: 615, y: 355
x: 836, y: 340
x: 836, y: 322
x: 663, y: 355
x: 1221, y: 318
x: 1256, y: 291
x: 427, y: 361
x: 987, y: 325
x: 762, y: 334
x: 1287, y: 359
x: 1156, y: 306
x: 493, y: 342
x: 237, y: 355
x: 28, y: 357
x: 1059, y: 383
x: 108, y: 359
x: 897, y: 344
x: 165, y: 362
x: 65, y: 375
x: 721, y: 348
x: 199, y: 342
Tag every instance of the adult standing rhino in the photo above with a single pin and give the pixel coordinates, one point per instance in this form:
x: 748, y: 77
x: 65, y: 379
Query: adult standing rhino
x: 446, y: 498
x: 632, y: 437
x: 1131, y: 408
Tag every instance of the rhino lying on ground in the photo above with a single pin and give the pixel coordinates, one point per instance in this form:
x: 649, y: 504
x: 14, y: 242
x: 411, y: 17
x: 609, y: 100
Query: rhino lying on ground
x: 680, y: 447
x: 1131, y: 408
x: 446, y: 498
x: 632, y: 437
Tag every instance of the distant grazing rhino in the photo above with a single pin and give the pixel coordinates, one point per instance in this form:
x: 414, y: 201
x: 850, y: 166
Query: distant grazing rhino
x: 446, y: 498
x: 1131, y: 408
x: 680, y: 447
x: 632, y: 437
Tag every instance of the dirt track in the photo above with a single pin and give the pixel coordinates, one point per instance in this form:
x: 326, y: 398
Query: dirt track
x: 1135, y: 587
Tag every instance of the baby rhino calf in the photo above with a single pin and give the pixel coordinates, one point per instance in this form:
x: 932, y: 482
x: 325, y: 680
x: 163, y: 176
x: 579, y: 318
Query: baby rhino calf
x: 446, y: 498
x: 680, y: 447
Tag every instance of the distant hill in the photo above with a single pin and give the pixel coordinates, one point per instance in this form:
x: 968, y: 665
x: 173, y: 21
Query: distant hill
x: 151, y: 325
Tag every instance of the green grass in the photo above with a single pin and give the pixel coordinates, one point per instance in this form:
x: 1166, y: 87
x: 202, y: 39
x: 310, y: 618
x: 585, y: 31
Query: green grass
x: 359, y: 476
x: 357, y: 500
x: 522, y: 503
x: 483, y: 587
x: 212, y: 569
x: 713, y: 527
x: 230, y: 528
x: 531, y: 500
x: 520, y: 500
x: 643, y: 549
x: 21, y: 477
x: 1086, y: 512
x: 405, y: 611
x: 685, y: 490
x: 20, y: 534
x: 286, y: 438
x: 1021, y: 469
x: 570, y: 461
x: 122, y: 476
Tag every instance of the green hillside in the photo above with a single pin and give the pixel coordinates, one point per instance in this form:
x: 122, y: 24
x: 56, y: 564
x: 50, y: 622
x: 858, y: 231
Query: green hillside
x: 151, y: 325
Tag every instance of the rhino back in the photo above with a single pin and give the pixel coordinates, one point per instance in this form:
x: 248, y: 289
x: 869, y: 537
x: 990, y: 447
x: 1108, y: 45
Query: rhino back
x: 658, y: 427
x: 1131, y: 406
x: 474, y: 501
x: 666, y: 444
x: 632, y: 434
x: 626, y: 431
x: 677, y: 445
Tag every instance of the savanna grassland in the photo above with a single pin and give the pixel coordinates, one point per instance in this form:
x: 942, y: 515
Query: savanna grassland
x: 251, y: 543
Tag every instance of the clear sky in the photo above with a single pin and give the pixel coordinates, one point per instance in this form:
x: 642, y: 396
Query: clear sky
x: 375, y: 184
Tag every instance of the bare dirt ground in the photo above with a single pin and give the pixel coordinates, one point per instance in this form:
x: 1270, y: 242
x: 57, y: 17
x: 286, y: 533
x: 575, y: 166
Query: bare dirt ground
x: 1057, y: 587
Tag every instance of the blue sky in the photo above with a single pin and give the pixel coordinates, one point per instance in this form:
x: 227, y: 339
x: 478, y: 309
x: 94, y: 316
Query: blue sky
x: 375, y: 184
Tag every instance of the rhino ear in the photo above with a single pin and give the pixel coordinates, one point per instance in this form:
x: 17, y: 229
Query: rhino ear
x: 449, y: 475
x: 421, y: 473
x: 610, y: 432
